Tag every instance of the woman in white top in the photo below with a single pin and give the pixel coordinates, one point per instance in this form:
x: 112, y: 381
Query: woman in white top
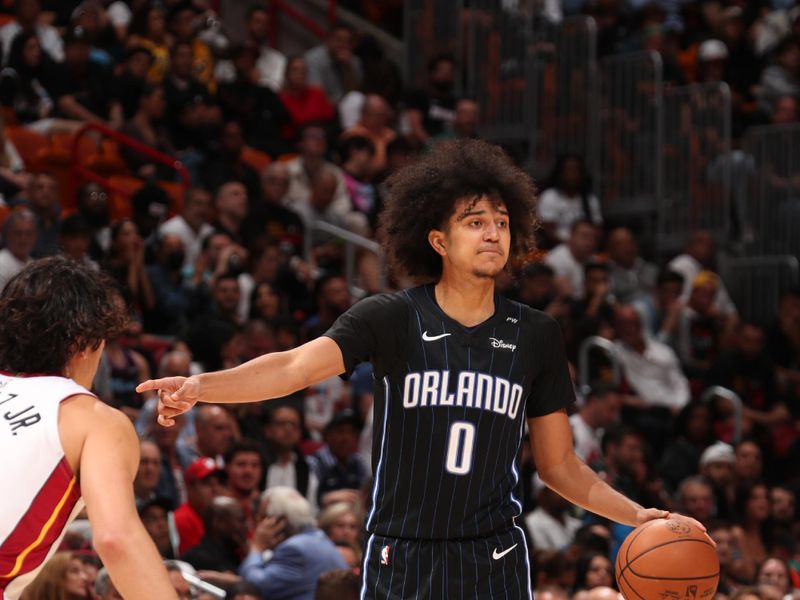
x: 567, y: 198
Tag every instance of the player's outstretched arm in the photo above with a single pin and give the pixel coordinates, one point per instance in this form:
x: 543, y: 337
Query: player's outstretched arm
x: 561, y: 469
x: 108, y: 465
x: 270, y: 376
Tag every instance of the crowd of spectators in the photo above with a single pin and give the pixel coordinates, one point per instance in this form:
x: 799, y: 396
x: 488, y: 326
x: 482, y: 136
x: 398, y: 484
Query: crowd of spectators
x: 268, y: 500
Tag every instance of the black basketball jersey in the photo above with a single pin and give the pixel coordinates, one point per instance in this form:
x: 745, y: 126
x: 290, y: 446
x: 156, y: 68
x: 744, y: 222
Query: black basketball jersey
x: 450, y: 407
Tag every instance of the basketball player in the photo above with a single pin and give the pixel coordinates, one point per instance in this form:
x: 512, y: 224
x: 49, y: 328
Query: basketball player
x: 459, y: 371
x: 59, y: 444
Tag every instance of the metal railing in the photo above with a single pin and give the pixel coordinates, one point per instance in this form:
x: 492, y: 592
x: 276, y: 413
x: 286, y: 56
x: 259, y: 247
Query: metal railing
x: 718, y: 391
x: 696, y: 163
x: 772, y: 211
x: 435, y: 28
x: 626, y: 160
x: 351, y: 241
x: 606, y: 346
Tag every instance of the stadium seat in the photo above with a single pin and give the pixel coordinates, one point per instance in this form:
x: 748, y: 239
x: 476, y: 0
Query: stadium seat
x: 29, y: 144
x: 175, y: 191
x: 121, y: 189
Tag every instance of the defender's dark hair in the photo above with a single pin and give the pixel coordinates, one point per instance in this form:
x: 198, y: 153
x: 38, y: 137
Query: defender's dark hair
x: 424, y: 194
x: 53, y: 308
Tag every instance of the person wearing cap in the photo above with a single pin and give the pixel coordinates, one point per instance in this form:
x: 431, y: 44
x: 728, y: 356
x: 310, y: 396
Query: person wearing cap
x: 716, y: 466
x: 203, y: 483
x: 337, y: 464
x: 712, y: 56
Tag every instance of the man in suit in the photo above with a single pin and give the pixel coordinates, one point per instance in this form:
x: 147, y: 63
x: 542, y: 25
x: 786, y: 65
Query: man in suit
x: 288, y: 553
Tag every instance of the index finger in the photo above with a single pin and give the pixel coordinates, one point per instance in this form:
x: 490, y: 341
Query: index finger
x: 146, y: 386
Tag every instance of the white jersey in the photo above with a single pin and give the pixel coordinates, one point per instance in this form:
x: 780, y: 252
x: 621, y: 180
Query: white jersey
x: 40, y: 494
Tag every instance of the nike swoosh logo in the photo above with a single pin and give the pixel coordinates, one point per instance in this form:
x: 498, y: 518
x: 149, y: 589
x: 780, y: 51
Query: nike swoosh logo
x: 498, y: 555
x: 431, y: 338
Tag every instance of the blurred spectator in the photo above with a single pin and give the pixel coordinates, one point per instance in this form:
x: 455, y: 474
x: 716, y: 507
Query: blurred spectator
x: 568, y: 259
x: 358, y: 154
x: 781, y: 78
x: 699, y: 256
x: 19, y: 237
x: 170, y: 482
x: 785, y: 111
x: 650, y: 367
x: 61, y: 577
x: 555, y: 573
x: 748, y: 466
x: 338, y: 585
x: 104, y: 588
x: 155, y: 517
x: 244, y: 465
x: 661, y: 310
x: 204, y: 481
x: 321, y: 204
x: 270, y: 65
x: 752, y: 533
x: 692, y: 433
x: 298, y: 560
x: 125, y: 264
x: 593, y: 571
x: 538, y: 290
x: 338, y: 465
x: 775, y: 572
x: 727, y: 553
x: 712, y: 58
x: 147, y: 475
x: 271, y: 217
x: 265, y: 302
x: 231, y: 203
x: 352, y: 555
x: 215, y: 435
x: 145, y: 126
x: 465, y: 122
x: 243, y: 591
x: 148, y: 28
x: 227, y: 165
x: 225, y: 538
x: 92, y: 205
x: 127, y: 368
x: 783, y: 343
x: 150, y: 207
x: 748, y: 370
x: 566, y: 200
x: 286, y: 465
x: 632, y: 277
x: 305, y: 103
x: 341, y: 523
x: 27, y: 19
x: 782, y: 498
x: 700, y: 330
x: 600, y: 409
x: 42, y: 198
x: 623, y: 452
x: 374, y: 125
x: 192, y: 225
x: 13, y: 177
x: 132, y: 78
x: 28, y: 84
x: 550, y: 525
x: 182, y: 24
x: 332, y: 298
x: 696, y: 498
x: 716, y: 465
x: 332, y: 65
x: 313, y: 147
x: 74, y: 239
x: 83, y: 89
x: 258, y: 109
x: 591, y: 313
x: 174, y: 299
x: 428, y: 112
x: 184, y: 93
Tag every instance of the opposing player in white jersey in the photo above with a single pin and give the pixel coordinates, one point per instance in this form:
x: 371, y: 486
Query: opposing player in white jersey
x: 59, y: 445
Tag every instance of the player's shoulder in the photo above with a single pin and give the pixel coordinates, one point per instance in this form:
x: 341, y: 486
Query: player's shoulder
x: 89, y: 413
x: 387, y: 304
x: 530, y: 318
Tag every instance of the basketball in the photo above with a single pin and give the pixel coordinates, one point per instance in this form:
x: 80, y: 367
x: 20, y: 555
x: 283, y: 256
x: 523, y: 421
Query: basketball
x: 667, y: 559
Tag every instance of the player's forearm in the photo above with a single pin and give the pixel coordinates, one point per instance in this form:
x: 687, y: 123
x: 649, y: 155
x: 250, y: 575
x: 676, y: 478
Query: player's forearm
x: 127, y: 553
x: 576, y: 482
x: 263, y: 378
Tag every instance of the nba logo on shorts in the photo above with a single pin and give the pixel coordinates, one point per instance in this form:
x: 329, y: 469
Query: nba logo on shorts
x: 385, y: 555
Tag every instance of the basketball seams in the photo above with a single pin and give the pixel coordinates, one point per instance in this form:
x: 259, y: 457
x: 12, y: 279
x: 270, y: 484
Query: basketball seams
x: 662, y: 544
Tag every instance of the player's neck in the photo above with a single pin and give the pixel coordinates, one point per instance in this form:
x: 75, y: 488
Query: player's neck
x: 469, y: 301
